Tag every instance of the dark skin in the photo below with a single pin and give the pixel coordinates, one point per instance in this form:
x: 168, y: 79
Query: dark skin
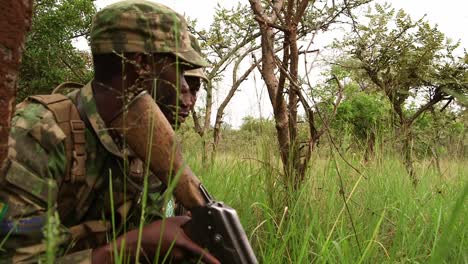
x: 194, y: 83
x: 156, y: 235
x: 176, y: 104
x: 175, y: 94
x: 145, y: 72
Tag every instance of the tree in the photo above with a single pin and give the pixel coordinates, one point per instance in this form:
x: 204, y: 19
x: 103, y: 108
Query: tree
x: 50, y: 57
x: 293, y: 19
x: 405, y: 60
x: 365, y: 113
x: 236, y: 82
x: 15, y: 22
x: 229, y: 40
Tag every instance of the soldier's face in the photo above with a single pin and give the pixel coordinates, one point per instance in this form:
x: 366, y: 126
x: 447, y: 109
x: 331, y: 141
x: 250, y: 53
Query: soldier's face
x: 194, y: 83
x: 170, y: 89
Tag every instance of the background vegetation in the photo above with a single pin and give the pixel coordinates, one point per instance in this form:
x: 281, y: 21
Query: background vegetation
x: 50, y: 57
x: 367, y: 165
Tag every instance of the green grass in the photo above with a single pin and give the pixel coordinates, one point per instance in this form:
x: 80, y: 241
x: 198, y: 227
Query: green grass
x: 387, y: 220
x: 394, y: 222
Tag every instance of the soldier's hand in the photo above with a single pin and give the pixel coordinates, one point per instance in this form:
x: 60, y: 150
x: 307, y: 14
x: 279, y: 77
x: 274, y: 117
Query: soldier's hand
x: 166, y: 235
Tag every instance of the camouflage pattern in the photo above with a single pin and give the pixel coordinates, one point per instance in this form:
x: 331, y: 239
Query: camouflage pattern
x: 142, y: 26
x: 36, y: 169
x: 33, y: 180
x: 199, y: 71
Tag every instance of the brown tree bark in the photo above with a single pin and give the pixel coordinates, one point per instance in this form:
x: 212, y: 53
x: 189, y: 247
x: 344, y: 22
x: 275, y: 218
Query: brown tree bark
x: 406, y: 122
x: 285, y: 111
x: 203, y: 128
x: 15, y: 21
x: 285, y: 20
x: 201, y: 132
x: 436, y: 140
x: 370, y: 147
x: 275, y: 90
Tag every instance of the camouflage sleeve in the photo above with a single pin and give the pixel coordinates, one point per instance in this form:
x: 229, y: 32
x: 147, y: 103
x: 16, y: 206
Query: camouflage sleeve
x: 28, y: 185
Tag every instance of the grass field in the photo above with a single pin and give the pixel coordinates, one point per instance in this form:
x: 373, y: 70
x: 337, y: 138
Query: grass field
x: 384, y: 220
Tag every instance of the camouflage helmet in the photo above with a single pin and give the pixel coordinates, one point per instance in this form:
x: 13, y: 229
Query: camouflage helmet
x: 196, y: 72
x: 142, y: 26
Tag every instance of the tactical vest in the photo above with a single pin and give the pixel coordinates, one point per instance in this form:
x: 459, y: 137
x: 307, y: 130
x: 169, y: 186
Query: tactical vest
x: 68, y: 118
x: 71, y: 123
x: 73, y: 188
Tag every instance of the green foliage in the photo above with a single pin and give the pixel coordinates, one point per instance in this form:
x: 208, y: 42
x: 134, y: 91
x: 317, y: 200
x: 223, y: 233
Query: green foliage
x: 231, y: 34
x: 365, y: 112
x: 255, y: 125
x: 412, y: 64
x: 394, y: 222
x: 248, y: 135
x: 228, y: 28
x: 452, y: 76
x: 50, y: 57
x: 443, y: 132
x: 321, y: 15
x: 405, y: 59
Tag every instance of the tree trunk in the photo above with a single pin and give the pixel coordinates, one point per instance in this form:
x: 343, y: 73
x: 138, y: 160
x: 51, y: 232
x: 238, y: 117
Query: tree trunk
x: 407, y: 148
x: 437, y: 140
x: 220, y: 113
x: 299, y: 164
x: 275, y: 92
x: 207, y: 121
x: 200, y: 128
x: 14, y: 23
x: 285, y: 112
x: 369, y: 152
x: 201, y: 132
x: 216, y: 135
x: 405, y: 135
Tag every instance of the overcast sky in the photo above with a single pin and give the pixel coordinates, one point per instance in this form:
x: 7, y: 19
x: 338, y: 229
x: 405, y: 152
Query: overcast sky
x: 451, y: 16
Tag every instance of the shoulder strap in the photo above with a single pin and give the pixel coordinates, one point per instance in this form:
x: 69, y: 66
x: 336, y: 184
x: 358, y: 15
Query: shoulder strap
x: 69, y: 120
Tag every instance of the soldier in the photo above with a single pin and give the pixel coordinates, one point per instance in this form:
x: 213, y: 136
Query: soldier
x: 65, y: 177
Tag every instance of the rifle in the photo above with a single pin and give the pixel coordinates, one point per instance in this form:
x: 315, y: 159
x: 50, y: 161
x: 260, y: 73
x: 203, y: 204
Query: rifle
x: 216, y: 227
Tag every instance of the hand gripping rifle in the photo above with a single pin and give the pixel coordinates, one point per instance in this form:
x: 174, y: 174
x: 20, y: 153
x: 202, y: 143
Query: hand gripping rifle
x: 214, y: 225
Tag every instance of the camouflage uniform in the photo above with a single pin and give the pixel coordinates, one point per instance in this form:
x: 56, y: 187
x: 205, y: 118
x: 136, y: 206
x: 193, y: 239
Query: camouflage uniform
x: 33, y: 179
x: 129, y: 26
